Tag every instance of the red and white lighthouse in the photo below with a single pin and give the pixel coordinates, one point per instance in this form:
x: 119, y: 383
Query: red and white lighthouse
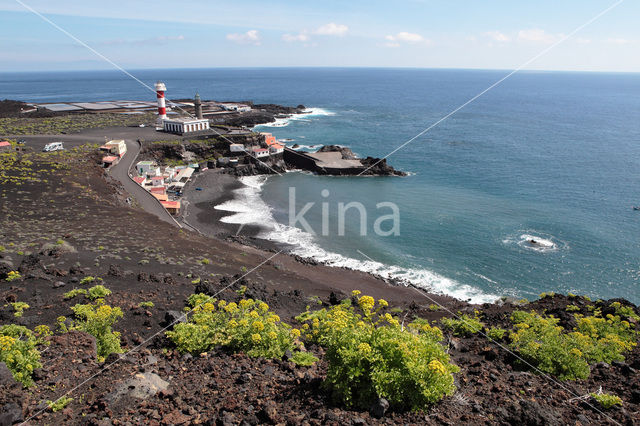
x: 162, y: 109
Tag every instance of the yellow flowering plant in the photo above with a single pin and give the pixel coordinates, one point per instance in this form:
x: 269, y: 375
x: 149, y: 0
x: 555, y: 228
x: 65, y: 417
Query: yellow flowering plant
x: 247, y: 326
x: 18, y: 308
x: 370, y: 355
x: 13, y: 275
x: 98, y: 319
x: 18, y: 350
x: 567, y: 354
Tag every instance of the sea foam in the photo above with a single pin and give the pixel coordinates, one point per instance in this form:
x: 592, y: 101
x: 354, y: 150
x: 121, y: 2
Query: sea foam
x: 308, y: 112
x: 248, y: 208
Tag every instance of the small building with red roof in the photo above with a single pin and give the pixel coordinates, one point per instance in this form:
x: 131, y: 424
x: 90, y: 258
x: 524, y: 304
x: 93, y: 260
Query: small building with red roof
x: 172, y: 207
x: 259, y: 152
x: 109, y: 161
x: 158, y: 190
x: 5, y: 146
x: 276, y: 148
x: 140, y: 180
x: 157, y: 181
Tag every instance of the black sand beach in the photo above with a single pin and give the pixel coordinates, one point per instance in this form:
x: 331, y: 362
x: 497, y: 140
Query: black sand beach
x: 199, y: 212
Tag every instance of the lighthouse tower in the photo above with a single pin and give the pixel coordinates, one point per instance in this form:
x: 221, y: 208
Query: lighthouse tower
x: 162, y: 109
x: 197, y: 102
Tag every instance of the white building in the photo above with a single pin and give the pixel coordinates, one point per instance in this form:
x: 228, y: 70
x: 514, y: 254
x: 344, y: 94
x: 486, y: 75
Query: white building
x: 185, y: 125
x: 236, y: 147
x: 260, y: 152
x: 236, y: 107
x: 147, y: 168
x: 115, y: 147
x: 276, y: 148
x: 157, y: 181
x: 183, y: 175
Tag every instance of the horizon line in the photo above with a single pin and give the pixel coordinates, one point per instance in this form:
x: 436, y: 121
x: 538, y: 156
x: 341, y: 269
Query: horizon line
x: 30, y: 71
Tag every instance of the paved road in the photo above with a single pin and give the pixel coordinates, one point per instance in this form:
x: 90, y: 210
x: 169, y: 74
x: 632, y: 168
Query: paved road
x: 147, y: 201
x: 333, y: 160
x: 37, y: 142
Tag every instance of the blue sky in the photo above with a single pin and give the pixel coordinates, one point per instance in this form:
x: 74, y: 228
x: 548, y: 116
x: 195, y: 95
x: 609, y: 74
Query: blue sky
x: 495, y: 34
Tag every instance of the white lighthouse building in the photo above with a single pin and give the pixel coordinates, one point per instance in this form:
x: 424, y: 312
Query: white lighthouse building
x: 180, y: 125
x: 162, y: 109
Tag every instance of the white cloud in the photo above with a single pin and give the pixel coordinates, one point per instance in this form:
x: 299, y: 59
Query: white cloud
x: 332, y: 29
x: 250, y: 37
x: 537, y: 35
x: 295, y: 37
x: 618, y: 40
x: 581, y: 40
x: 405, y: 37
x: 497, y: 36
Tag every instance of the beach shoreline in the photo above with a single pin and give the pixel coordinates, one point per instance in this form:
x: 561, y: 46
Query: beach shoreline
x: 213, y: 187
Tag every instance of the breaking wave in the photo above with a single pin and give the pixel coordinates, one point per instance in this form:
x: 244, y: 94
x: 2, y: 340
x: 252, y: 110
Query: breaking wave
x: 285, y: 121
x: 248, y: 208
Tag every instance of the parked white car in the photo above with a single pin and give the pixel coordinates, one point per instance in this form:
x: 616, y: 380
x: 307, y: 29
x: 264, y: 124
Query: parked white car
x: 53, y: 146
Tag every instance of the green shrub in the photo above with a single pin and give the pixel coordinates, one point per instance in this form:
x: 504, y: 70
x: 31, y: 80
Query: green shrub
x: 19, y: 308
x: 89, y: 279
x: 625, y: 311
x: 205, y: 261
x: 73, y: 293
x: 59, y: 404
x: 542, y: 343
x: 464, y: 325
x: 247, y: 326
x: 370, y: 355
x: 98, y: 319
x: 18, y: 351
x: 304, y: 359
x: 567, y: 355
x: 573, y: 308
x: 98, y: 292
x: 496, y: 333
x: 606, y: 400
x: 146, y: 304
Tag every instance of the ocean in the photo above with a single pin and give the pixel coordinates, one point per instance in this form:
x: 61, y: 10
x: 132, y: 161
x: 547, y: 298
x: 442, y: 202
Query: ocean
x: 549, y: 156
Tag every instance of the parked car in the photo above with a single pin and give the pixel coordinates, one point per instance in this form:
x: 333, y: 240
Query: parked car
x: 53, y: 146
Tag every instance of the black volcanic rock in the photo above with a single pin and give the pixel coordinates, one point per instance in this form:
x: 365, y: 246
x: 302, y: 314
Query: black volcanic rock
x: 379, y: 167
x: 373, y: 166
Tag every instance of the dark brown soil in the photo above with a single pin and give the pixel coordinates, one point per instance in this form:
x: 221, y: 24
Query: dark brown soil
x: 10, y: 108
x: 143, y: 259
